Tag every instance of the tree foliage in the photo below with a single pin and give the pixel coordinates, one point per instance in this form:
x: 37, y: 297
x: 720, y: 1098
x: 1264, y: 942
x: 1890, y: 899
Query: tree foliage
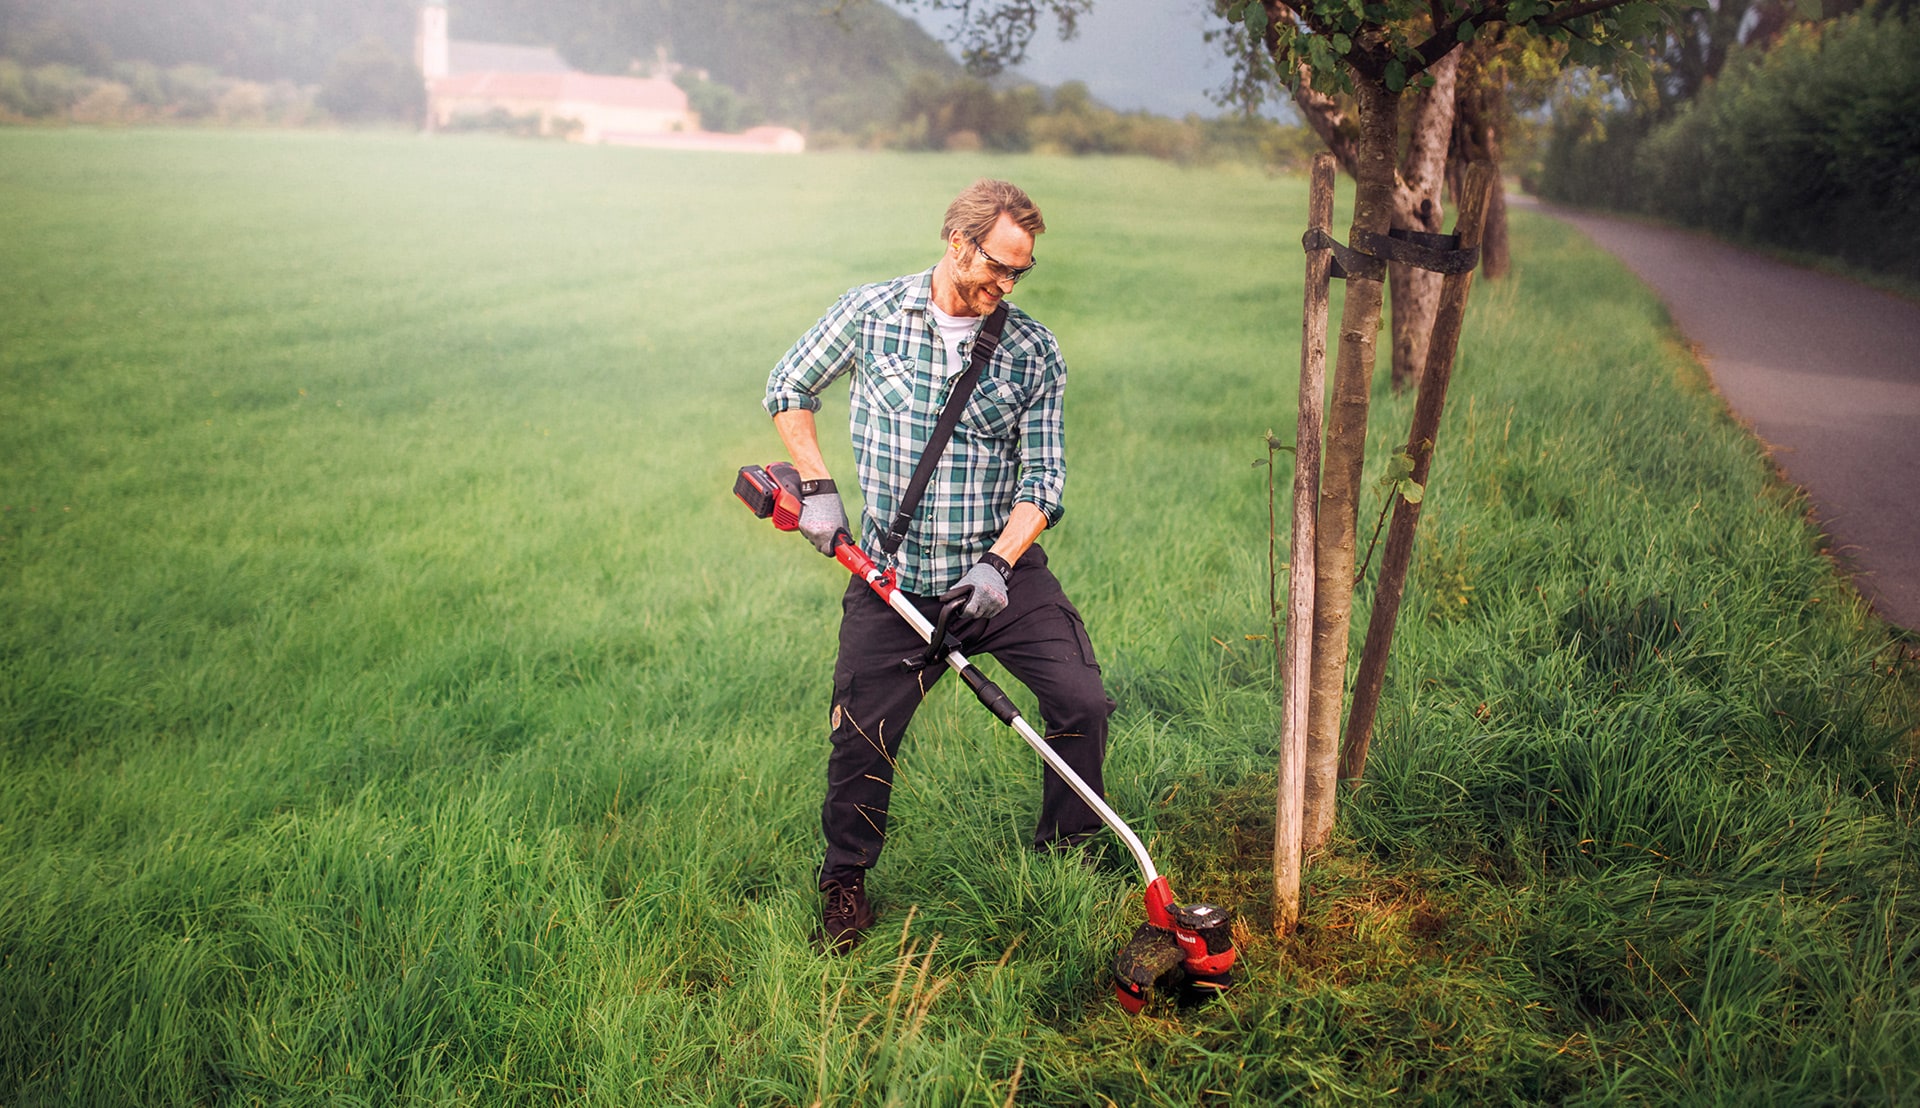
x: 369, y: 81
x: 719, y: 107
x: 1810, y: 145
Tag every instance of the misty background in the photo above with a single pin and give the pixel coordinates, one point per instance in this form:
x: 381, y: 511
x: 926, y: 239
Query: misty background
x: 795, y: 62
x: 1134, y: 55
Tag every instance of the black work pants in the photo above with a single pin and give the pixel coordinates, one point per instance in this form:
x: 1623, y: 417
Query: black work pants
x: 1038, y: 638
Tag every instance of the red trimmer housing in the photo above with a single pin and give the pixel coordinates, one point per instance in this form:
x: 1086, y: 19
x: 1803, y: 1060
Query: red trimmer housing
x: 1188, y: 947
x: 771, y: 492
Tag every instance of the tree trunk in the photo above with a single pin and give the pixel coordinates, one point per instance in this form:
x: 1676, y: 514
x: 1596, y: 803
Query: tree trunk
x: 1481, y: 105
x: 1416, y: 196
x: 1345, y: 453
x: 1421, y: 437
x: 1416, y: 292
x: 1289, y: 814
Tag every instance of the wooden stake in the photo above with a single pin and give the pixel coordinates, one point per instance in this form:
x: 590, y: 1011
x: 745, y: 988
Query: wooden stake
x: 1290, y: 807
x: 1421, y: 435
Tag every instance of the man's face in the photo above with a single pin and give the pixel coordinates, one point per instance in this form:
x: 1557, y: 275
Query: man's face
x: 982, y: 276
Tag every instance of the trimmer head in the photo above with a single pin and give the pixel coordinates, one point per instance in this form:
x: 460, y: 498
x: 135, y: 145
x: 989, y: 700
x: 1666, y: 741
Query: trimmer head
x: 1188, y: 947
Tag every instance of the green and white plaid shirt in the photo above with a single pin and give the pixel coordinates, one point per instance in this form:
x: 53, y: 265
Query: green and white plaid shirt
x: 1009, y: 445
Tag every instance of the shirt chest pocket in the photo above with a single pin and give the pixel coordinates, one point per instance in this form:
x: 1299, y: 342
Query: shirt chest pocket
x: 994, y: 409
x: 889, y: 381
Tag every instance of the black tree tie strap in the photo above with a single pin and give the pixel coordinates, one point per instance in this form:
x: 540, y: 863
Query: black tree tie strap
x: 1420, y: 249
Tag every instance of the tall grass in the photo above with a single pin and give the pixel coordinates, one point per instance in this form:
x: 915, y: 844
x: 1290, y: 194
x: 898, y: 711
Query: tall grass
x: 395, y: 706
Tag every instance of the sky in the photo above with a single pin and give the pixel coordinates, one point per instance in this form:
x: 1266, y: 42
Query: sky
x: 1132, y: 54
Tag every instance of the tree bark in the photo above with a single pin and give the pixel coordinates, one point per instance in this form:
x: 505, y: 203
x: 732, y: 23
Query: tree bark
x: 1481, y: 105
x: 1417, y: 207
x: 1421, y: 436
x: 1416, y: 184
x: 1327, y: 121
x: 1345, y: 454
x: 1289, y: 822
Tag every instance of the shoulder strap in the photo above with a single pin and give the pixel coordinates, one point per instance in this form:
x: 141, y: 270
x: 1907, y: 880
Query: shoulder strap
x: 984, y: 345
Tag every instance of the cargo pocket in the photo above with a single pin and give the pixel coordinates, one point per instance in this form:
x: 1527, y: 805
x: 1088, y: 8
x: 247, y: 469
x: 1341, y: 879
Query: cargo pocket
x: 1080, y: 638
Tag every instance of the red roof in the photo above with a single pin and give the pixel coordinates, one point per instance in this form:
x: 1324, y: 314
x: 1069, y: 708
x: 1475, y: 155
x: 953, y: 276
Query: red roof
x: 614, y: 92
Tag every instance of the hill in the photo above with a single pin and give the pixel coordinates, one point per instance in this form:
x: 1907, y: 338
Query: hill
x: 798, y: 61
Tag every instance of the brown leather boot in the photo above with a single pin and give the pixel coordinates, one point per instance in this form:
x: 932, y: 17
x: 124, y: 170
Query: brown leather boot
x: 845, y: 915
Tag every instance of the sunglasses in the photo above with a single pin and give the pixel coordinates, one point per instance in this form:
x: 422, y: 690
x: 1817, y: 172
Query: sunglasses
x: 1000, y: 269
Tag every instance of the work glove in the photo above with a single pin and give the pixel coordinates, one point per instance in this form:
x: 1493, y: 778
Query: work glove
x: 822, y: 516
x: 984, y: 587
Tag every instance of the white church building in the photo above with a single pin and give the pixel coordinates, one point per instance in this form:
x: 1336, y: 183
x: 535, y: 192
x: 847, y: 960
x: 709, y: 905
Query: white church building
x: 475, y: 79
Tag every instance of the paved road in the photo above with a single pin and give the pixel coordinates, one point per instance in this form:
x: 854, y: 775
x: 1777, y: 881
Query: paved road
x: 1825, y: 371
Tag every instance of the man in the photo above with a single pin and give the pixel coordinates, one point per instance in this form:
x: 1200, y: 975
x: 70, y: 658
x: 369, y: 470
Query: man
x: 904, y: 343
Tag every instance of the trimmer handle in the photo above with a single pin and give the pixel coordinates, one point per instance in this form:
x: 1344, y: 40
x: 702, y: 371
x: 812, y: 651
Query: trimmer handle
x: 941, y: 642
x: 773, y: 492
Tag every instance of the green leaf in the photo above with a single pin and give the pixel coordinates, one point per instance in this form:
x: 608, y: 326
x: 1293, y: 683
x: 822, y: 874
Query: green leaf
x: 1466, y: 31
x: 1319, y: 55
x: 1343, y: 45
x: 1396, y: 76
x: 1236, y: 14
x: 1413, y: 492
x: 1256, y: 19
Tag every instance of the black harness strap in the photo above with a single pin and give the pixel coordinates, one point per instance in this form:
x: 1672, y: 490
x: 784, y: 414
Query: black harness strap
x: 984, y: 344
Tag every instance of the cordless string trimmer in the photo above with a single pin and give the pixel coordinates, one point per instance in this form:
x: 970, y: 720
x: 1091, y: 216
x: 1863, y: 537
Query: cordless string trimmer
x: 1189, y: 946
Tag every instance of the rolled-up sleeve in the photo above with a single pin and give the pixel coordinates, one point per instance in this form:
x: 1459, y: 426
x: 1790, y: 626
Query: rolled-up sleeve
x: 825, y: 352
x: 1043, y: 443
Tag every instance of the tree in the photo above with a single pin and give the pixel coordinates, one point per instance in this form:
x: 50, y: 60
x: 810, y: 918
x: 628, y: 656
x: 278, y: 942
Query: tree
x: 1379, y: 53
x: 719, y: 107
x: 369, y: 81
x: 1495, y: 68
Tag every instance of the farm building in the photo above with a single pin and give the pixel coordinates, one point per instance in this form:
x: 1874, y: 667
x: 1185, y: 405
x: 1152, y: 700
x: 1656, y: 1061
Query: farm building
x: 478, y: 80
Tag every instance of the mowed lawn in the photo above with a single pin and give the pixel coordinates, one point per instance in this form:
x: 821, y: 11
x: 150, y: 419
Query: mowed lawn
x: 396, y: 707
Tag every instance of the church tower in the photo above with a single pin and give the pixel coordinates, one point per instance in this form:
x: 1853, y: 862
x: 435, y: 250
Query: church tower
x: 430, y: 43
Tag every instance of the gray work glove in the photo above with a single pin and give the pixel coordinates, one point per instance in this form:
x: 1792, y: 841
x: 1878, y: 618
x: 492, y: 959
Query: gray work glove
x: 985, y: 589
x: 822, y: 516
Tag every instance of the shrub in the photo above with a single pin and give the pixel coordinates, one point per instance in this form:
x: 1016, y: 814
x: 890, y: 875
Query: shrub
x: 368, y: 81
x: 719, y: 107
x: 1810, y: 145
x: 106, y: 102
x: 41, y: 91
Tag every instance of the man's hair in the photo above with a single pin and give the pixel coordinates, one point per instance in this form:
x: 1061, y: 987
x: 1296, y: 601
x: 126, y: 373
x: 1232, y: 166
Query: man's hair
x: 974, y: 212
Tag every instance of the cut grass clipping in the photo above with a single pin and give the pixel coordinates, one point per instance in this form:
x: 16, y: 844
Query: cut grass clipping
x: 396, y: 707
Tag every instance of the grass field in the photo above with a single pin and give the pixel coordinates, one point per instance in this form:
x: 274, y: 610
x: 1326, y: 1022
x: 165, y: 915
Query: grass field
x: 395, y: 707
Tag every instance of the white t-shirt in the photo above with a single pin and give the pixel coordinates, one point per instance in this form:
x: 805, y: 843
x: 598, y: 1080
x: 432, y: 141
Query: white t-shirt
x: 954, y: 330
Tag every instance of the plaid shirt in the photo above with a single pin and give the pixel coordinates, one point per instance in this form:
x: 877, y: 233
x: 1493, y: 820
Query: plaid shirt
x: 1009, y: 445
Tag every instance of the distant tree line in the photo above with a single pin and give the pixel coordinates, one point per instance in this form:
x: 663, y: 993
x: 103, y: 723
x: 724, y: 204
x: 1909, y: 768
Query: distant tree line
x: 1804, y: 136
x: 968, y: 113
x: 141, y: 92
